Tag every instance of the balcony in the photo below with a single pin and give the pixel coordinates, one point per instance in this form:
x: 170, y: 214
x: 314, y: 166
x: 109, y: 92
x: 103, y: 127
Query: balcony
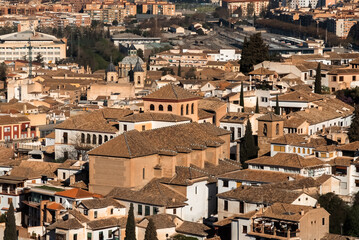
x: 275, y: 230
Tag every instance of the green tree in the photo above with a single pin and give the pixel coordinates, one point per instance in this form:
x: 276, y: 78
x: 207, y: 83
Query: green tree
x: 277, y: 109
x: 250, y: 9
x: 353, y: 132
x: 140, y: 53
x: 151, y: 233
x: 337, y: 209
x: 352, y: 223
x: 248, y: 148
x: 39, y: 58
x: 10, y: 225
x: 318, y: 80
x: 114, y: 22
x: 179, y: 69
x: 130, y: 225
x: 257, y: 106
x: 254, y: 51
x: 239, y: 12
x: 241, y: 98
x: 191, y: 73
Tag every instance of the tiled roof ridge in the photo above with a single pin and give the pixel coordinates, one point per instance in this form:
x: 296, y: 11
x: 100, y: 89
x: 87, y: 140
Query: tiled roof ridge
x: 226, y: 160
x: 174, y: 91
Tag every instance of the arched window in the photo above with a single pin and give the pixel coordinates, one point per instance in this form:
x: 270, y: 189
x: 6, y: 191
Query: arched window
x: 277, y: 129
x: 265, y: 130
x: 111, y: 78
x: 187, y: 112
x: 169, y: 108
x: 139, y: 79
x: 111, y: 137
x: 106, y: 138
x: 152, y: 107
x: 88, y: 138
x: 82, y: 138
x: 99, y: 139
x: 160, y: 108
x: 192, y: 108
x: 94, y: 139
x: 181, y: 109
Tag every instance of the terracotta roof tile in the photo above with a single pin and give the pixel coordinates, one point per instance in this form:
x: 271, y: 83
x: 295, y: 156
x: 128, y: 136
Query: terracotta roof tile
x: 75, y: 193
x: 171, y: 92
x: 192, y: 228
x: 270, y: 117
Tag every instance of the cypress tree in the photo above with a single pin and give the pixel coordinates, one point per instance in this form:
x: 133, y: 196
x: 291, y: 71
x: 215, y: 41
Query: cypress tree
x: 277, y: 109
x: 353, y: 132
x: 248, y: 148
x: 241, y: 98
x: 179, y: 69
x: 318, y: 81
x: 130, y: 225
x: 10, y: 225
x: 151, y: 233
x: 257, y: 106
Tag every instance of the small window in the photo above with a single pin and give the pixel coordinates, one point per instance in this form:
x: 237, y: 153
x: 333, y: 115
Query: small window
x: 187, y: 109
x: 192, y: 108
x: 147, y: 210
x: 89, y: 236
x: 100, y: 235
x: 152, y: 107
x: 354, y: 78
x: 143, y: 173
x: 86, y: 212
x: 111, y: 211
x: 143, y: 127
x: 109, y: 233
x: 64, y: 176
x: 75, y: 236
x: 139, y: 209
x: 323, y: 221
x: 174, y: 211
x: 195, y: 190
x: 225, y: 183
x: 341, y: 78
x: 225, y: 208
x: 244, y: 229
x: 65, y: 138
x: 265, y: 130
x: 160, y: 108
x: 95, y: 214
x: 125, y: 128
x: 100, y: 139
x: 169, y: 108
x: 182, y: 110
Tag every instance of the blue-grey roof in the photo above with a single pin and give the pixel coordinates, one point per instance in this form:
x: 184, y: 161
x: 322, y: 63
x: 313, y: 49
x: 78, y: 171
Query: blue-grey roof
x: 131, y: 60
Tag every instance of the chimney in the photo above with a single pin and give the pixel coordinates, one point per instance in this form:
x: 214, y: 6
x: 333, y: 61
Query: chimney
x: 302, y: 212
x: 25, y: 108
x: 317, y: 206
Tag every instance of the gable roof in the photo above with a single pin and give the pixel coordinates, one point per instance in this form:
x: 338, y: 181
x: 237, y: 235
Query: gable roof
x: 285, y: 211
x: 153, y: 193
x: 107, y: 223
x: 261, y: 194
x: 166, y: 140
x: 295, y: 139
x: 290, y: 160
x: 151, y: 116
x: 171, y: 92
x: 97, y: 203
x: 75, y: 193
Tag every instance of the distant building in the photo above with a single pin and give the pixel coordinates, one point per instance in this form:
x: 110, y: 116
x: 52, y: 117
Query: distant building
x: 232, y: 5
x: 14, y: 46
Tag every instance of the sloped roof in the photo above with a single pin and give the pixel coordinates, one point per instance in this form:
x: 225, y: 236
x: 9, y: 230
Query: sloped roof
x: 151, y: 116
x: 97, y: 203
x: 291, y: 160
x: 178, y: 138
x: 171, y: 92
x: 75, y: 193
x: 353, y: 146
x: 193, y: 228
x: 160, y: 221
x: 31, y: 169
x: 270, y: 117
x: 153, y: 193
x: 295, y: 139
x: 261, y: 194
x: 107, y: 223
x: 260, y: 176
x: 285, y: 211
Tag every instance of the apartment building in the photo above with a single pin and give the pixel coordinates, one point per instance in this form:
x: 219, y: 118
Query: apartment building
x: 232, y: 5
x: 15, y: 46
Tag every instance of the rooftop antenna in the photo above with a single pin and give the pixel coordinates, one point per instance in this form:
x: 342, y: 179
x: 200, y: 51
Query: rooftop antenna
x: 30, y: 59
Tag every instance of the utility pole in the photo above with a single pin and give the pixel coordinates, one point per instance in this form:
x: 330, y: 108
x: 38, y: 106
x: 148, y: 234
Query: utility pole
x: 30, y: 59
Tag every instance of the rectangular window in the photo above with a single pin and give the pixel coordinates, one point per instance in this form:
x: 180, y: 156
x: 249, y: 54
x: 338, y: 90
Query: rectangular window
x: 143, y: 173
x: 147, y: 210
x: 354, y: 78
x: 75, y: 236
x: 341, y: 78
x: 334, y: 78
x: 65, y: 138
x: 244, y: 229
x: 239, y: 132
x: 89, y: 236
x: 139, y: 209
x: 174, y: 211
x: 95, y: 214
x: 357, y: 183
x: 109, y: 233
x: 100, y: 235
x: 111, y: 211
x: 125, y: 127
x: 225, y: 183
x: 86, y: 212
x: 63, y: 175
x: 143, y: 127
x: 323, y: 221
x: 155, y: 210
x: 232, y: 133
x: 241, y: 207
x: 225, y: 208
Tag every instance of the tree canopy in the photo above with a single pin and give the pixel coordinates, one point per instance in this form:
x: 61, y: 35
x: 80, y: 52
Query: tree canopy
x: 318, y: 80
x: 353, y: 132
x: 151, y: 233
x: 130, y: 225
x: 254, y: 51
x: 10, y: 225
x: 248, y: 147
